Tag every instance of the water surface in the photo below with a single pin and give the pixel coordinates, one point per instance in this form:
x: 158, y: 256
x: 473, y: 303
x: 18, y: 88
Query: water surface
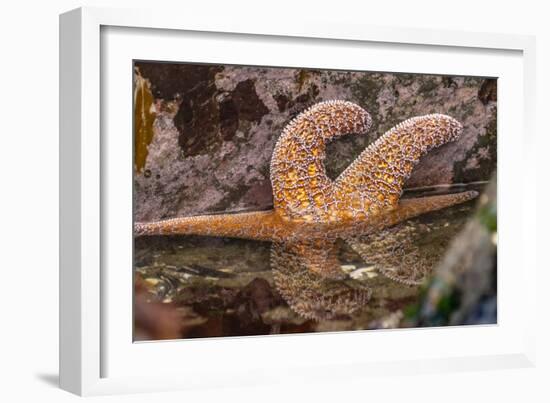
x: 191, y: 286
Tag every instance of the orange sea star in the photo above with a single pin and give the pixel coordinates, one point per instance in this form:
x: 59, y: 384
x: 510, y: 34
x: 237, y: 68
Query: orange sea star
x: 311, y: 211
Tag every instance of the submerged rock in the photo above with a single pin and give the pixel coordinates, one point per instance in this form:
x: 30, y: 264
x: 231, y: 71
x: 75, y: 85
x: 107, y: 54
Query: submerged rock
x: 463, y: 290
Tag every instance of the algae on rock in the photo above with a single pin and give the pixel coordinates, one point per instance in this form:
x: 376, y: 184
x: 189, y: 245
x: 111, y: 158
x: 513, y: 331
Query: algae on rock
x: 144, y: 117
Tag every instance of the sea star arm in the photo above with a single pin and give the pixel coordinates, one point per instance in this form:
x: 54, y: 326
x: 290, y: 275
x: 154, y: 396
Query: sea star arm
x: 409, y: 208
x: 261, y: 225
x: 301, y: 188
x: 375, y: 179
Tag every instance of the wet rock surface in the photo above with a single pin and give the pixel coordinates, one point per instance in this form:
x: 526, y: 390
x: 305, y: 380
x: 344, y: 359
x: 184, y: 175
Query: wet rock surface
x: 215, y: 128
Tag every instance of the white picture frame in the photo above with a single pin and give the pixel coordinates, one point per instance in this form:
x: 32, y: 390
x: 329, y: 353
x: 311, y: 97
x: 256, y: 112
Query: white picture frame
x: 96, y: 356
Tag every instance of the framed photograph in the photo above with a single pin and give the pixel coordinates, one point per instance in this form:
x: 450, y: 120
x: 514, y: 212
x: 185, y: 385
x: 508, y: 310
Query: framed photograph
x: 242, y: 203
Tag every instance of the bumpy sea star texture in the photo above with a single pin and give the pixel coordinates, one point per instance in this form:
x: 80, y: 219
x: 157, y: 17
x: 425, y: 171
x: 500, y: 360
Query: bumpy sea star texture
x: 301, y: 188
x: 365, y: 197
x: 215, y: 128
x: 311, y: 211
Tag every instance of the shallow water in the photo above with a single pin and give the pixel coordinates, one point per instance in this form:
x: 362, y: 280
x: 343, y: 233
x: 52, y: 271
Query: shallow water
x: 190, y: 286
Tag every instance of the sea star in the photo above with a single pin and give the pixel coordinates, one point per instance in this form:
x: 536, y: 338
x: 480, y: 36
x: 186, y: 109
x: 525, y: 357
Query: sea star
x: 311, y: 211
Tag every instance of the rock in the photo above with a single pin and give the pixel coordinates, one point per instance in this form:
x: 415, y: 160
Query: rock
x: 390, y: 321
x: 464, y: 288
x: 348, y: 267
x: 251, y: 302
x: 363, y: 272
x: 259, y: 297
x: 215, y: 128
x: 144, y: 118
x: 282, y: 315
x: 156, y: 320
